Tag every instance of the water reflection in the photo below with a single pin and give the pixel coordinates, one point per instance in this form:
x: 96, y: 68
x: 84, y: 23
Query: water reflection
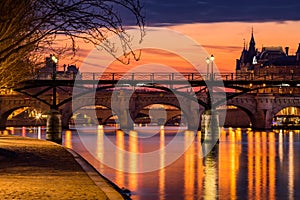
x: 228, y: 161
x: 189, y: 165
x: 280, y: 147
x: 133, y: 160
x: 162, y: 172
x: 272, y: 165
x: 120, y: 157
x: 291, y: 166
x: 40, y: 134
x: 211, y: 178
x: 68, y: 139
x: 250, y: 165
x: 245, y: 164
x: 261, y: 165
x: 100, y: 145
x: 200, y: 175
x: 23, y: 131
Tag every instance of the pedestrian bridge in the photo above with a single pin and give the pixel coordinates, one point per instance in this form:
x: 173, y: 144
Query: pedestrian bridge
x: 258, y: 95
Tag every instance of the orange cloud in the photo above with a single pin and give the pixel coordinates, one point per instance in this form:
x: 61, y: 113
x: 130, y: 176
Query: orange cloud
x: 224, y: 40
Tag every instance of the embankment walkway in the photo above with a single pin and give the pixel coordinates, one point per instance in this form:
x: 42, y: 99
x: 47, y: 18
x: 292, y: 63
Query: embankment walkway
x: 37, y: 169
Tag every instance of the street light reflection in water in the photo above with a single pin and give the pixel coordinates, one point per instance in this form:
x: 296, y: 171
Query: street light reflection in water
x: 245, y: 164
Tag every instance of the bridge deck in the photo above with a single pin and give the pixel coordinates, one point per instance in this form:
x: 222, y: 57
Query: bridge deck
x: 158, y: 76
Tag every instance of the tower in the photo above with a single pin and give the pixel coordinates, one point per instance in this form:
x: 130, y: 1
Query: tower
x: 252, y: 50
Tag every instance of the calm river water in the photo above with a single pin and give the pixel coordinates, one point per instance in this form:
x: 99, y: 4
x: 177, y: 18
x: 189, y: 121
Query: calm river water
x: 245, y: 164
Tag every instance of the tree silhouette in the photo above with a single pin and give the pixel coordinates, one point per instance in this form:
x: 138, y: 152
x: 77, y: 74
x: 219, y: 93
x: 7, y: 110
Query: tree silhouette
x: 29, y: 28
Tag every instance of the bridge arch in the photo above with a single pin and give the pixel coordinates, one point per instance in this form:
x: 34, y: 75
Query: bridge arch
x: 142, y: 118
x: 7, y: 112
x: 287, y: 117
x: 191, y: 116
x: 288, y: 110
x: 69, y: 106
x: 102, y: 113
x: 175, y: 119
x: 152, y: 101
x: 144, y: 105
x: 108, y: 119
x: 246, y: 110
x: 235, y: 116
x: 162, y: 113
x: 278, y: 108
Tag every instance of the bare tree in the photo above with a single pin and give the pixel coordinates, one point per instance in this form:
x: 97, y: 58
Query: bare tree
x: 29, y: 28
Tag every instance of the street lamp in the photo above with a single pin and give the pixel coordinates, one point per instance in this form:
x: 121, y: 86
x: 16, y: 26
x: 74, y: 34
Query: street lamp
x: 207, y: 60
x: 210, y: 119
x: 212, y: 58
x: 53, y: 129
x: 55, y: 60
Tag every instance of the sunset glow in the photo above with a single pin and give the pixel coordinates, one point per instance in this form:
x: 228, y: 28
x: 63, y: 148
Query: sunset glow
x: 224, y: 40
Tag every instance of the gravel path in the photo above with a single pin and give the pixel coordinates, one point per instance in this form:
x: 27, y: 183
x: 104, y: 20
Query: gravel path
x: 37, y: 169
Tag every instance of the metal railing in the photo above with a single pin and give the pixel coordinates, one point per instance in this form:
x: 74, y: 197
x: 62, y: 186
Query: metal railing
x: 163, y: 76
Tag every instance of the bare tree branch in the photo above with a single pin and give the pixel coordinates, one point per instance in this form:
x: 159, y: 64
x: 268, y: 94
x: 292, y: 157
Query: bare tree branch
x: 29, y: 28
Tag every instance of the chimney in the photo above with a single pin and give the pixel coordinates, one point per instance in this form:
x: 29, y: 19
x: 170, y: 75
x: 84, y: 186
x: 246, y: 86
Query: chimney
x: 287, y: 51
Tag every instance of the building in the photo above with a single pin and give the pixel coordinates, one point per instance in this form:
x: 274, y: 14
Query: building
x: 50, y: 67
x: 270, y: 60
x: 270, y: 63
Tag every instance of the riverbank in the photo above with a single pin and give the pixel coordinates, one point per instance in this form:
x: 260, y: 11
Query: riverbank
x: 37, y: 169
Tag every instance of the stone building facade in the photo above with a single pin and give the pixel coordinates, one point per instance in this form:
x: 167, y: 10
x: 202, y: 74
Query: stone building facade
x: 275, y: 63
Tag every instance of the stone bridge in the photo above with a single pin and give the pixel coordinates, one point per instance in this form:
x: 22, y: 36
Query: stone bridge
x: 260, y: 108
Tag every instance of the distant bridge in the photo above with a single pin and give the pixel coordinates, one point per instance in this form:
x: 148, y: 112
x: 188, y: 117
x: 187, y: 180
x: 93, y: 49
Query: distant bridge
x: 260, y: 108
x: 175, y: 82
x: 55, y: 90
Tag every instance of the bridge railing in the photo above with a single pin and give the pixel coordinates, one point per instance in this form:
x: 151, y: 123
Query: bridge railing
x: 164, y: 76
x: 261, y: 77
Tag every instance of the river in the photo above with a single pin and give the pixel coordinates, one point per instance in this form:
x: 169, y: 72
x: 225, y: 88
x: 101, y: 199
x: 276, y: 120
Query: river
x: 244, y: 164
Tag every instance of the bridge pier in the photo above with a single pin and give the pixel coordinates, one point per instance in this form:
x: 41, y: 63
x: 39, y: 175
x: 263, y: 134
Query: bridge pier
x: 125, y: 120
x: 2, y: 124
x: 263, y: 120
x: 66, y: 114
x: 263, y: 115
x: 65, y: 124
x: 210, y: 130
x: 192, y: 113
x: 65, y: 117
x: 53, y: 128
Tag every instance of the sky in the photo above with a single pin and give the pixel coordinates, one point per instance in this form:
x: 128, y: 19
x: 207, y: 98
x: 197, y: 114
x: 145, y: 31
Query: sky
x: 201, y: 11
x: 220, y: 27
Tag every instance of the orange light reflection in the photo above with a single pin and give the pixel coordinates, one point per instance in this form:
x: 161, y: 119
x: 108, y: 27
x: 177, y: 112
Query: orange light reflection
x: 133, y: 160
x: 162, y: 172
x: 100, y: 145
x: 189, y: 166
x: 120, y: 157
x: 250, y: 164
x: 68, y: 139
x: 272, y: 165
x: 291, y: 166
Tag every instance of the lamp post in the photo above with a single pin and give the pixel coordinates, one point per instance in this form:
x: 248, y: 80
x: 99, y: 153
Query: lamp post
x: 212, y: 58
x: 207, y: 60
x: 54, y: 60
x: 210, y: 118
x: 54, y: 129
